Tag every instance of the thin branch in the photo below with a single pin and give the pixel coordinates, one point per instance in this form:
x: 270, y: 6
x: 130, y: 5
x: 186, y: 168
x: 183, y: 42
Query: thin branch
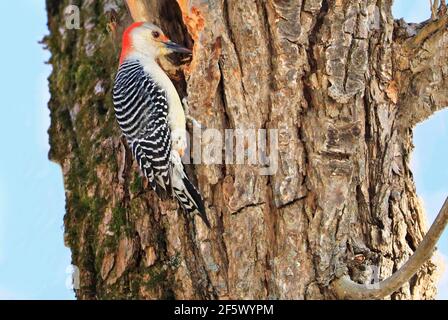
x: 434, y: 6
x: 139, y: 10
x: 426, y: 32
x: 345, y: 288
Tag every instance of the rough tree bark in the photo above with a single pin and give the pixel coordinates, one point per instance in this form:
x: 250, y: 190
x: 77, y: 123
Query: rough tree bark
x: 343, y: 82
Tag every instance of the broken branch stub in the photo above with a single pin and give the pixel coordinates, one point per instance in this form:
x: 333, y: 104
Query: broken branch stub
x: 345, y: 288
x: 138, y: 10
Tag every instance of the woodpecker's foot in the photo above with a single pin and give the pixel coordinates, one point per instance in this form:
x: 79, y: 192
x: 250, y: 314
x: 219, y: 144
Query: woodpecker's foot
x: 195, y: 123
x: 186, y: 106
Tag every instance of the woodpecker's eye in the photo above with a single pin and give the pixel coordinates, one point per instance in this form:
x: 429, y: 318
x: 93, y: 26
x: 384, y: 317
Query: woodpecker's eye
x: 156, y: 34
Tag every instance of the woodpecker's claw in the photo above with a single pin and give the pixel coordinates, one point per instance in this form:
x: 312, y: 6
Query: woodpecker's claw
x: 186, y: 106
x: 194, y: 122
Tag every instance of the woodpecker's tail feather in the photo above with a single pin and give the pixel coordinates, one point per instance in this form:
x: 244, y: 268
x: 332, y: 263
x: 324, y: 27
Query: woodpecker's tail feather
x: 190, y: 200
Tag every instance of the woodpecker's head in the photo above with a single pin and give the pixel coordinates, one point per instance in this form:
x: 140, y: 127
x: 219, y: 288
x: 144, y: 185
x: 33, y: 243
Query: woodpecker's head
x: 148, y: 40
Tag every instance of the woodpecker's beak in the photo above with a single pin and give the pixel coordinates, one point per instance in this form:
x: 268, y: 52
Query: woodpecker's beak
x: 174, y: 47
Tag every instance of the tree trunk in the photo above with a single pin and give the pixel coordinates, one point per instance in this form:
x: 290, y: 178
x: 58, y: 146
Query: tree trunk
x: 342, y: 82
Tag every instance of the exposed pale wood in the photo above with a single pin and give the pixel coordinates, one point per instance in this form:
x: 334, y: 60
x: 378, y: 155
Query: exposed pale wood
x: 139, y: 10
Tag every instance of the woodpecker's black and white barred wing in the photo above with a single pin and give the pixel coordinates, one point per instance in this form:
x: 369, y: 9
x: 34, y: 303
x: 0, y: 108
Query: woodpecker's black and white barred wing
x: 141, y: 109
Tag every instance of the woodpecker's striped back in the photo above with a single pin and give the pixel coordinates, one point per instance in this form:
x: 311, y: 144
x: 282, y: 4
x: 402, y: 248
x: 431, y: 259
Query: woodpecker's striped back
x: 141, y: 109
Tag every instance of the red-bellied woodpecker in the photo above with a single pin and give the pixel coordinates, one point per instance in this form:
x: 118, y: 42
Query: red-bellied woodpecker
x: 150, y: 114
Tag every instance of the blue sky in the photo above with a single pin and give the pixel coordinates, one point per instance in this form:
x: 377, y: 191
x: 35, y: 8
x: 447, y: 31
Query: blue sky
x: 33, y: 259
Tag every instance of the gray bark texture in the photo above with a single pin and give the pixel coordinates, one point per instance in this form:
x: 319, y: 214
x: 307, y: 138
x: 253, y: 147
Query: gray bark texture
x: 342, y: 81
